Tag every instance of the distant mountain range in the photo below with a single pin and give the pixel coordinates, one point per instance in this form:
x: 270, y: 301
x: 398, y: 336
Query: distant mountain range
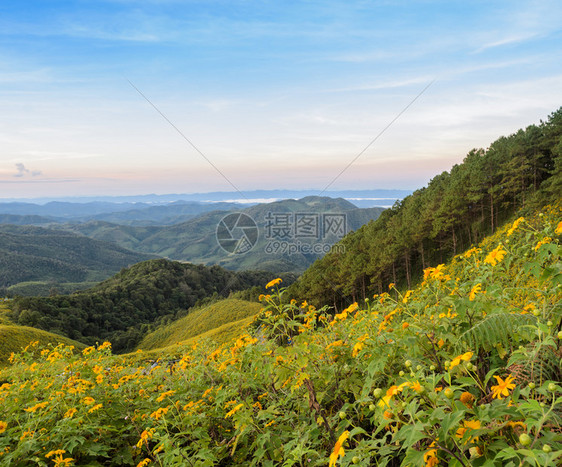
x: 103, y: 204
x: 63, y: 244
x: 56, y: 212
x: 278, y: 245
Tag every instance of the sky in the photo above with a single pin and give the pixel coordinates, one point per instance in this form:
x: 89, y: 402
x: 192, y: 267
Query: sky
x: 117, y: 97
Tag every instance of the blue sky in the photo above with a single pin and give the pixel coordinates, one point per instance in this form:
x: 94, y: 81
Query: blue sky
x: 276, y: 94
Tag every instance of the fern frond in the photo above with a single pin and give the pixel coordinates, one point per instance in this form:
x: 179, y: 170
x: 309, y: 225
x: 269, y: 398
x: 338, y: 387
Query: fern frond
x: 496, y: 328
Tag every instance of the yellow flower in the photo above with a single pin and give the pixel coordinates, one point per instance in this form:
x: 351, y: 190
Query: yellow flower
x: 503, y: 387
x: 144, y: 462
x: 477, y: 288
x: 36, y: 407
x: 467, y: 399
x: 514, y: 226
x: 95, y: 407
x: 273, y: 283
x: 385, y: 401
x: 5, y: 386
x: 58, y: 452
x: 338, y: 450
x: 234, y: 410
x: 471, y: 252
x: 145, y: 435
x: 558, y: 230
x: 3, y: 426
x: 27, y: 434
x: 343, y: 315
x: 105, y: 345
x: 430, y: 458
x: 157, y: 415
x: 357, y: 348
x: 435, y: 273
x: 88, y: 400
x: 60, y: 462
x: 163, y: 396
x: 542, y: 242
x: 392, y: 284
x: 360, y: 344
x: 495, y: 256
x: 472, y: 424
x: 391, y: 392
x: 467, y: 426
x: 417, y: 387
x: 407, y: 296
x: 465, y: 357
x: 70, y: 413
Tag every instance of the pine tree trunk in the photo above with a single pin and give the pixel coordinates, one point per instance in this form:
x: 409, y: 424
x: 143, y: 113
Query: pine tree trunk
x: 407, y: 264
x: 363, y: 284
x: 492, y: 212
x: 454, y: 242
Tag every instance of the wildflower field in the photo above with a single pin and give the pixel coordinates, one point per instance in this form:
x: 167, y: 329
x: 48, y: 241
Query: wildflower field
x: 463, y: 370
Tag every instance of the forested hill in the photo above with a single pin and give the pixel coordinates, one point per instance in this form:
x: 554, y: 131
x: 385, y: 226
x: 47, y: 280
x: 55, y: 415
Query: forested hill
x: 37, y: 254
x: 121, y: 308
x: 456, y: 209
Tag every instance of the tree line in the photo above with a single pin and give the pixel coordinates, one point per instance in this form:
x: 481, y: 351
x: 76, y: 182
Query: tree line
x: 455, y: 210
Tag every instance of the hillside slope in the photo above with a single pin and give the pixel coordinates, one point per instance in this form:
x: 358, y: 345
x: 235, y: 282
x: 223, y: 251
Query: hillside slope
x: 201, y: 321
x: 462, y: 370
x: 456, y: 209
x: 37, y: 254
x: 124, y: 307
x: 15, y: 338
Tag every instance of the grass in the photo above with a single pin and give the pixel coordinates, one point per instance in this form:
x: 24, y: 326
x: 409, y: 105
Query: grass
x: 220, y: 321
x: 15, y: 338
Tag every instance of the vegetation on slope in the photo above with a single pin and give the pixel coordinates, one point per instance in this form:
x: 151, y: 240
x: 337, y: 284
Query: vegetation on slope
x: 200, y: 321
x: 37, y: 254
x: 124, y: 307
x: 454, y: 211
x: 15, y: 338
x: 46, y: 288
x: 463, y: 370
